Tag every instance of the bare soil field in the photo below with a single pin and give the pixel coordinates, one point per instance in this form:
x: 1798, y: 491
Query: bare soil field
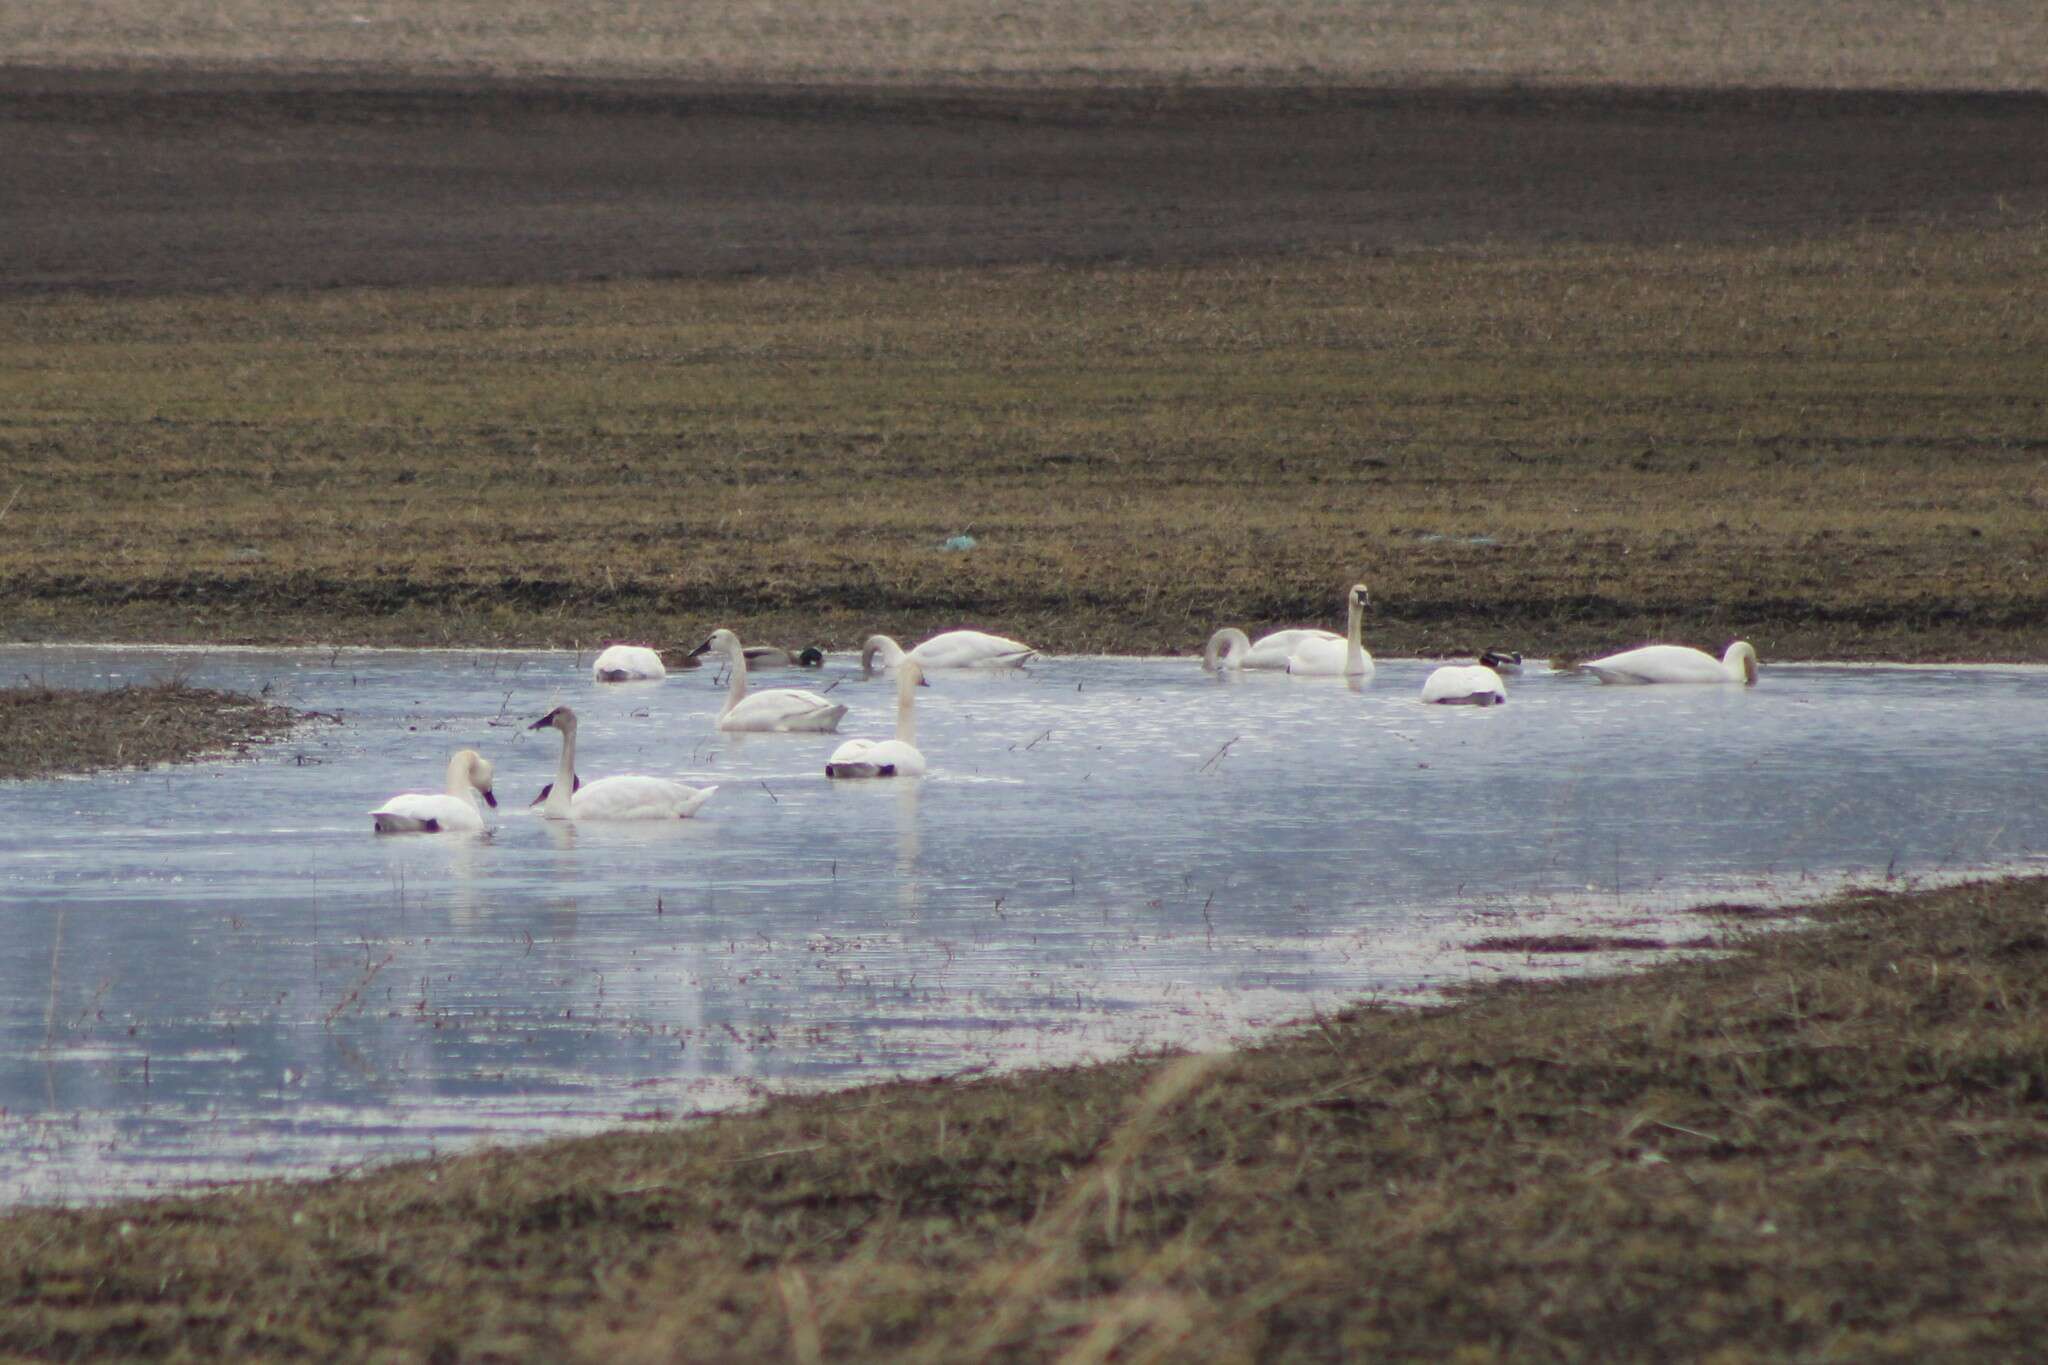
x: 154, y: 181
x: 480, y: 360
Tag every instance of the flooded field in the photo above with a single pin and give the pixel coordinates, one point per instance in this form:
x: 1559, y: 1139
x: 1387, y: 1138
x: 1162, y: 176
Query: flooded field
x: 217, y: 971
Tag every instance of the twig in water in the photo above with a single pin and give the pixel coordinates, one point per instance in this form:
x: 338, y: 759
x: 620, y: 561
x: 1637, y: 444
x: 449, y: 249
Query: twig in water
x: 1036, y: 742
x: 1217, y: 757
x: 771, y: 794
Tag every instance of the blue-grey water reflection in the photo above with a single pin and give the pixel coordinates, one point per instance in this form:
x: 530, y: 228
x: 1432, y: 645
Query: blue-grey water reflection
x: 216, y: 971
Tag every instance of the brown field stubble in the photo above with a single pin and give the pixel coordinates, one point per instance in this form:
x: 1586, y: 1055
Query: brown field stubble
x: 1825, y: 1143
x: 1834, y: 447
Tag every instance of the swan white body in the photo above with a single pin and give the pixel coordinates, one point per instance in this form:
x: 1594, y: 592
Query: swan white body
x: 1335, y: 658
x: 1464, y: 685
x: 610, y: 798
x: 950, y: 649
x: 780, y: 710
x: 627, y: 663
x: 898, y: 757
x: 1676, y: 664
x: 453, y: 811
x: 1230, y: 649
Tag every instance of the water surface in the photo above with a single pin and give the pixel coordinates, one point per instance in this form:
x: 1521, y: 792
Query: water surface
x: 215, y: 971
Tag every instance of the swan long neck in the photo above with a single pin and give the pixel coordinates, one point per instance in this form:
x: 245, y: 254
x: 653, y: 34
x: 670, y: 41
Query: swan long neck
x: 458, y: 777
x: 557, y: 804
x: 736, y: 663
x: 1226, y: 649
x: 906, y: 719
x: 1354, y: 640
x: 1740, y: 661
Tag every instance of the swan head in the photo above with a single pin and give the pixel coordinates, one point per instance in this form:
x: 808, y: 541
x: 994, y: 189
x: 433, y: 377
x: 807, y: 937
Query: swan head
x: 1360, y: 598
x: 909, y: 674
x: 1498, y: 659
x: 1742, y: 654
x: 720, y: 641
x: 1225, y: 650
x: 561, y: 718
x: 887, y: 649
x: 810, y: 656
x: 477, y: 770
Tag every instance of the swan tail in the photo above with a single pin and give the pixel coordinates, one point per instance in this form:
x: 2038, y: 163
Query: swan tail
x: 696, y: 802
x: 388, y: 823
x: 860, y: 769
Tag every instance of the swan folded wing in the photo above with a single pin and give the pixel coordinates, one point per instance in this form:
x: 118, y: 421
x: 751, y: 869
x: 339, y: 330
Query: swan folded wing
x: 783, y: 709
x: 1467, y: 685
x: 634, y: 797
x: 627, y: 663
x: 972, y: 649
x: 1658, y: 664
x: 1275, y: 650
x: 875, y: 758
x: 425, y: 813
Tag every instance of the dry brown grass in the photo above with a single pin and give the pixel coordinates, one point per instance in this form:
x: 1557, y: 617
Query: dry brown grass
x: 1964, y: 44
x: 1833, y: 447
x: 1824, y: 1144
x: 46, y: 730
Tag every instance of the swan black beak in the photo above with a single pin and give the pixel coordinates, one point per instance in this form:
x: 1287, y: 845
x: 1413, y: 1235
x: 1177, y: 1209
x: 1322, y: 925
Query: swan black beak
x: 543, y: 795
x: 490, y: 799
x: 544, y: 723
x: 704, y: 648
x: 924, y: 682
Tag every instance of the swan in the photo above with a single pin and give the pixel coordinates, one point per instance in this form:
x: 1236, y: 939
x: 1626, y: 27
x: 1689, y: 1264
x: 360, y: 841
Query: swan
x: 609, y: 798
x: 950, y: 649
x: 779, y: 710
x: 1464, y: 685
x: 469, y: 772
x: 1333, y: 657
x: 627, y: 663
x: 775, y: 656
x: 1230, y: 649
x: 898, y: 757
x: 1676, y: 664
x: 1502, y: 660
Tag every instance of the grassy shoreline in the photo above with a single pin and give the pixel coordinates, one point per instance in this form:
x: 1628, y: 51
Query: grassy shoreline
x: 1827, y: 1141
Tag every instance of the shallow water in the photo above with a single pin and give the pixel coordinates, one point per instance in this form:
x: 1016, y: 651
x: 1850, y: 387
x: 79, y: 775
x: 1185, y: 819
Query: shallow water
x: 217, y: 971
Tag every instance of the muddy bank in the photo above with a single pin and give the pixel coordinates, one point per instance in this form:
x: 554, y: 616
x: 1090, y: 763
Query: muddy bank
x: 45, y: 731
x: 1818, y: 1141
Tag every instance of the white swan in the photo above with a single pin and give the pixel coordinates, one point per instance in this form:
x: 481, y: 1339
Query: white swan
x: 609, y: 798
x: 1336, y: 658
x: 1676, y: 664
x: 454, y: 810
x: 627, y: 663
x: 1230, y: 649
x: 779, y: 710
x: 949, y: 649
x: 1464, y: 685
x: 898, y: 757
